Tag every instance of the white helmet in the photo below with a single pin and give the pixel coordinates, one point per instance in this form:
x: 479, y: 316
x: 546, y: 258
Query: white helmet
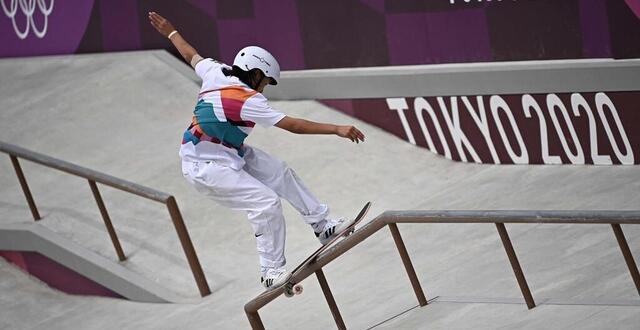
x: 253, y: 57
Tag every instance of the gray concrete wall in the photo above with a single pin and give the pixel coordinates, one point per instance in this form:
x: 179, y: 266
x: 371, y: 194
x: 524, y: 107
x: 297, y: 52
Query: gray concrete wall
x: 559, y: 76
x: 109, y: 274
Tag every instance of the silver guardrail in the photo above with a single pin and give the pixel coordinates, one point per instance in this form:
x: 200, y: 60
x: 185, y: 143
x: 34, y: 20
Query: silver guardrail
x: 498, y: 218
x: 94, y: 177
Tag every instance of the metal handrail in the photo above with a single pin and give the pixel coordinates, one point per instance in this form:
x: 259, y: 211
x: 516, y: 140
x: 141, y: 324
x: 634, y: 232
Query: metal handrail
x: 499, y: 218
x: 94, y: 177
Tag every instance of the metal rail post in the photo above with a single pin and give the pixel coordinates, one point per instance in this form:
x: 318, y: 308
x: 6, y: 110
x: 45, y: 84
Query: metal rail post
x: 25, y: 188
x: 187, y: 246
x: 107, y: 220
x: 406, y: 260
x: 517, y: 270
x: 254, y: 320
x: 626, y: 253
x: 332, y: 302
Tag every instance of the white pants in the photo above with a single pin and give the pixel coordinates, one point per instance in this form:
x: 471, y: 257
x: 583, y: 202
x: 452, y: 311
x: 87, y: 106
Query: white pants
x: 257, y: 189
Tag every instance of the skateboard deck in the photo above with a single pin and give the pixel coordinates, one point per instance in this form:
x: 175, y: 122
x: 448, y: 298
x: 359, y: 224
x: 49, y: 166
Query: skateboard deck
x: 292, y: 288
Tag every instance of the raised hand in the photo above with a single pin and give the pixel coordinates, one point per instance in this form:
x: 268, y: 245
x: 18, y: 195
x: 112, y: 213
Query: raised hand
x: 161, y: 24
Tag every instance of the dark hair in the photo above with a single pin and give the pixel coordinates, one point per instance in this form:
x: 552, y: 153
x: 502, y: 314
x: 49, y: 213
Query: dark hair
x: 247, y: 77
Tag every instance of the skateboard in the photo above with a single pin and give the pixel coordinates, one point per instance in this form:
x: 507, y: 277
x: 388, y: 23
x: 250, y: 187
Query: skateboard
x: 291, y: 288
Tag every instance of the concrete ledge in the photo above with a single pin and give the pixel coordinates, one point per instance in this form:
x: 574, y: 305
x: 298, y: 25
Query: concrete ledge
x: 562, y: 76
x: 557, y: 76
x: 36, y: 238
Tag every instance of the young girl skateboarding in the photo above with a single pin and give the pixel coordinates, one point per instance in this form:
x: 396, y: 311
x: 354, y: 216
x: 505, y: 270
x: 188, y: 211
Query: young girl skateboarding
x: 218, y: 164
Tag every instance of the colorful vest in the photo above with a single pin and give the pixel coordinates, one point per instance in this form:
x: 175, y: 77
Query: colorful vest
x: 219, y: 121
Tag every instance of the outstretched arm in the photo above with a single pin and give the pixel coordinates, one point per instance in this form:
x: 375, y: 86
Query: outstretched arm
x: 303, y: 126
x: 165, y: 28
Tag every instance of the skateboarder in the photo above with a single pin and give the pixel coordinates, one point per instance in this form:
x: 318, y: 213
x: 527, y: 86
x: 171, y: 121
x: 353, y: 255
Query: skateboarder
x: 218, y: 164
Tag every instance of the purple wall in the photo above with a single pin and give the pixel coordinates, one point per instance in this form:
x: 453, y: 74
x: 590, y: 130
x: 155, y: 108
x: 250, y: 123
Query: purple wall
x: 334, y: 33
x: 355, y: 33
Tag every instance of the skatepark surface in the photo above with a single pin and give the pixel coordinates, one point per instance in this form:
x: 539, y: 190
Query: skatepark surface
x: 124, y: 114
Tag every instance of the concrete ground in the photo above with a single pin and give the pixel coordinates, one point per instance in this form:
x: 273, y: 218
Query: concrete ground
x: 124, y: 114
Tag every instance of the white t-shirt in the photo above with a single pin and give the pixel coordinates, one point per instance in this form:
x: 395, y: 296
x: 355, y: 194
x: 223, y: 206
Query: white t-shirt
x: 226, y: 112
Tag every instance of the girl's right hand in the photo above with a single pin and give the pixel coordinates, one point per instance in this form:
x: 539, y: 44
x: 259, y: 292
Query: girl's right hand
x: 351, y: 133
x: 161, y: 24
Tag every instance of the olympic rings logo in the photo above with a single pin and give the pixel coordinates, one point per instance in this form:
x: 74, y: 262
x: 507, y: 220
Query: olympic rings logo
x: 28, y: 8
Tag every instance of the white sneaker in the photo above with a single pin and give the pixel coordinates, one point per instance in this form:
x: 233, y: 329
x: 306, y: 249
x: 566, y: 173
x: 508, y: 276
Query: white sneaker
x: 332, y: 228
x: 274, y: 277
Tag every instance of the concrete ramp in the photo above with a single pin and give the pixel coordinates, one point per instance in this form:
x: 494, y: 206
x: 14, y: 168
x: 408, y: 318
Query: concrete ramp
x: 23, y: 237
x: 123, y: 114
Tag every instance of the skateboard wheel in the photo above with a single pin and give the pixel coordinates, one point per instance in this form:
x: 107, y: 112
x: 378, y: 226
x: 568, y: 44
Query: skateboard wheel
x: 297, y: 289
